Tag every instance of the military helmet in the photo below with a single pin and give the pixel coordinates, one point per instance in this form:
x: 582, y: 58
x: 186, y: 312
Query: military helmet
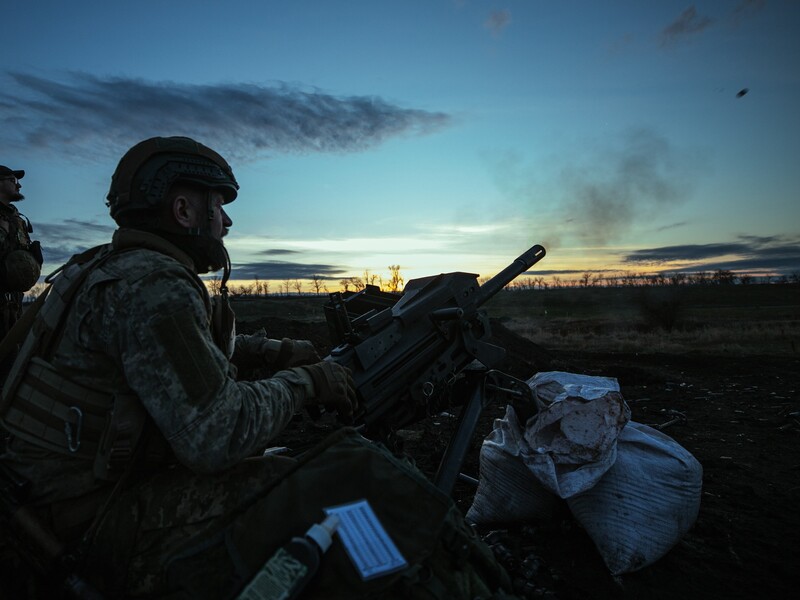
x: 146, y: 172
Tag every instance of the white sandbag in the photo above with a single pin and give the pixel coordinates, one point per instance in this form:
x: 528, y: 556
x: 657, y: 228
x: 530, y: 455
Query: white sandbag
x: 550, y: 386
x: 507, y: 490
x: 573, y: 440
x: 646, y: 501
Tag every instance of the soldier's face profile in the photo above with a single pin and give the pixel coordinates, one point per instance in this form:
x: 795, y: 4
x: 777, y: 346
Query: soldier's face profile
x: 9, y: 187
x: 220, y: 221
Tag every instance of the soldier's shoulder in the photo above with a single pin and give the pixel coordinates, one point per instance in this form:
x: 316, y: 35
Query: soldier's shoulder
x: 135, y: 264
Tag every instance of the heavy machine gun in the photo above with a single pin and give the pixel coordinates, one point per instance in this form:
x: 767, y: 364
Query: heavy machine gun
x: 408, y: 353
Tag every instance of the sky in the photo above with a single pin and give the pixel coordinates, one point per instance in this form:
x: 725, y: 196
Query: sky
x: 438, y: 135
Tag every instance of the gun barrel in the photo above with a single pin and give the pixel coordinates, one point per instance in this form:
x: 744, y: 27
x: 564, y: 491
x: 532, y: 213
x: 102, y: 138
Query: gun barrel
x: 522, y: 263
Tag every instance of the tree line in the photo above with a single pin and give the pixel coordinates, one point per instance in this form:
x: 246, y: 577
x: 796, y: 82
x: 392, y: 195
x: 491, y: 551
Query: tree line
x: 318, y: 285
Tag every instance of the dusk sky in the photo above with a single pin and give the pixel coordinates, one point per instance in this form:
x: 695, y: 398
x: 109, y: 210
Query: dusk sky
x: 441, y: 135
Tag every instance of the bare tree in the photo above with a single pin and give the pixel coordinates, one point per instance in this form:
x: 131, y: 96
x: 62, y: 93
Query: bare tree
x: 677, y: 278
x: 369, y: 278
x: 316, y: 282
x: 395, y: 279
x: 214, y: 285
x: 298, y: 285
x: 722, y: 277
x: 241, y: 290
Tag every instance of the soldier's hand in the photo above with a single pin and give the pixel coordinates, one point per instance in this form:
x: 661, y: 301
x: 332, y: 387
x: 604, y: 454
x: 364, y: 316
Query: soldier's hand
x: 257, y: 350
x: 334, y: 387
x: 295, y: 353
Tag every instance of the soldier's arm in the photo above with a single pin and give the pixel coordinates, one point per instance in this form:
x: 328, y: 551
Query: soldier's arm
x: 172, y: 363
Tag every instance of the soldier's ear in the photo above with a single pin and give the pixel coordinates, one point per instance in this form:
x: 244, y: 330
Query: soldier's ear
x: 184, y: 211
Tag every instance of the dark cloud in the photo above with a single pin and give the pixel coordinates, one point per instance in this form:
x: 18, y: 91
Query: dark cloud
x: 95, y: 116
x: 746, y: 10
x: 278, y: 252
x: 60, y: 241
x: 688, y: 23
x: 677, y: 225
x: 642, y: 176
x: 771, y: 253
x: 684, y: 252
x: 497, y: 21
x: 282, y: 270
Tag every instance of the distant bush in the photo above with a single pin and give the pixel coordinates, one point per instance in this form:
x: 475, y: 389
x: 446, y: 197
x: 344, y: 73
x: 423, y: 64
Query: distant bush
x: 659, y: 308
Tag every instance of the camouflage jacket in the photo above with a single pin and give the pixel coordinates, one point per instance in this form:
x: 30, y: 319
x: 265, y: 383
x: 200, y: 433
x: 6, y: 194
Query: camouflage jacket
x: 141, y: 322
x: 14, y: 229
x: 15, y: 232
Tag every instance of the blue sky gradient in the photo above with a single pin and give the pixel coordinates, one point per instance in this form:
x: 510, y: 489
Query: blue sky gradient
x: 440, y: 135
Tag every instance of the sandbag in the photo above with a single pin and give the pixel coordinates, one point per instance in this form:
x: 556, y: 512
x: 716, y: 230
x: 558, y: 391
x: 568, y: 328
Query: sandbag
x: 646, y: 501
x: 572, y: 442
x: 507, y: 489
x: 526, y: 469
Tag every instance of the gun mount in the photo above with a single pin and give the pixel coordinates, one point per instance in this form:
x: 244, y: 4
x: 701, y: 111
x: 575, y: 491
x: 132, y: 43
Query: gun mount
x: 406, y: 352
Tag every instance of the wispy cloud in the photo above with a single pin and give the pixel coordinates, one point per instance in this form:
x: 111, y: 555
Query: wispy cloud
x: 62, y: 240
x: 497, y: 21
x: 278, y: 252
x: 773, y: 253
x: 746, y: 10
x: 94, y: 116
x: 669, y: 226
x: 687, y: 24
x: 684, y: 252
x: 283, y: 270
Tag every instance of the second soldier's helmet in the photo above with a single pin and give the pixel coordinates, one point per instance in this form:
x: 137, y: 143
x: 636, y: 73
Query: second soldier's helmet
x: 146, y: 172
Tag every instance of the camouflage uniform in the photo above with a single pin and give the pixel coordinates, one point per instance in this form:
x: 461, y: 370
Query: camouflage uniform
x: 140, y: 326
x: 14, y: 236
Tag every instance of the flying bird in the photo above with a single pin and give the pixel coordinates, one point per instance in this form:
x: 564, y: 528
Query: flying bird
x: 742, y: 92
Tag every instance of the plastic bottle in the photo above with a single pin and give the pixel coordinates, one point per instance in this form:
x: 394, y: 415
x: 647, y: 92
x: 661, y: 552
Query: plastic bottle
x: 288, y: 571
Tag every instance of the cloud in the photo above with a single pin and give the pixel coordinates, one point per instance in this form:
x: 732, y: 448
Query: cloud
x: 746, y: 10
x: 687, y: 24
x: 282, y: 270
x: 677, y: 225
x: 60, y: 241
x: 497, y: 21
x: 278, y: 252
x: 684, y: 252
x: 772, y: 253
x: 96, y: 116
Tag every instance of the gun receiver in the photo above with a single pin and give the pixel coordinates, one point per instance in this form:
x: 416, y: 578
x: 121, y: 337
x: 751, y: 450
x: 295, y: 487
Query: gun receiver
x: 405, y: 352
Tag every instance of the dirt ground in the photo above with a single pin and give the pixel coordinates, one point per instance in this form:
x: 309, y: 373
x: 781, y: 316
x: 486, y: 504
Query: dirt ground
x: 742, y: 425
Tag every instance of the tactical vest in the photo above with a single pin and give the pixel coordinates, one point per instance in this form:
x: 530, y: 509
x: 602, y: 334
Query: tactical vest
x: 20, y: 258
x: 43, y: 406
x: 19, y: 229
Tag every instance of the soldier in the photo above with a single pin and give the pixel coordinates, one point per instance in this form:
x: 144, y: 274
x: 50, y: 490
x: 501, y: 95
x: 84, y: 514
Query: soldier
x: 122, y: 406
x: 20, y: 258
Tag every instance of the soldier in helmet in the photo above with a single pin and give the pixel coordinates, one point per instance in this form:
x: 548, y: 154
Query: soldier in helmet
x: 20, y: 258
x: 122, y: 406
